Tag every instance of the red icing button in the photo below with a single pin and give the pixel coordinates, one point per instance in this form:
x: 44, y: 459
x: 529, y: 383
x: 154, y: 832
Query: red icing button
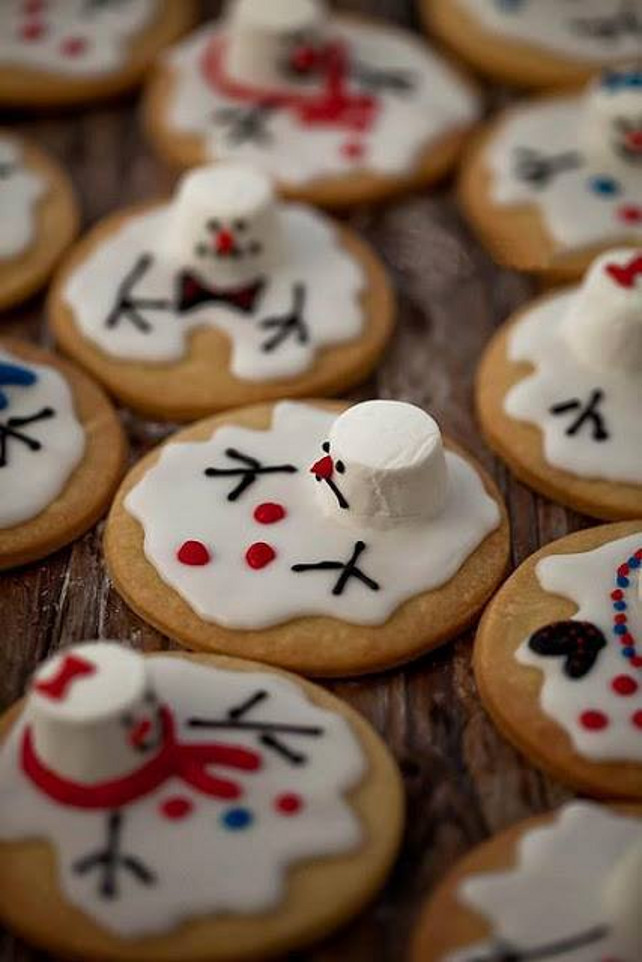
x: 34, y: 30
x: 353, y: 150
x: 73, y: 46
x: 637, y: 719
x: 593, y: 720
x: 630, y: 213
x: 259, y: 554
x: 269, y: 513
x: 175, y: 808
x: 289, y: 804
x: 624, y: 685
x: 193, y: 553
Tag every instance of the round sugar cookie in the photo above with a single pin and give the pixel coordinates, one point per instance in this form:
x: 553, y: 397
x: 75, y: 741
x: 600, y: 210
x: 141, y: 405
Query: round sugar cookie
x: 62, y: 453
x: 559, y: 391
x: 558, y: 660
x: 341, y: 110
x: 553, y: 182
x: 537, y: 43
x: 60, y: 52
x: 573, y: 861
x: 39, y: 217
x: 328, y: 539
x: 264, y: 791
x: 223, y: 296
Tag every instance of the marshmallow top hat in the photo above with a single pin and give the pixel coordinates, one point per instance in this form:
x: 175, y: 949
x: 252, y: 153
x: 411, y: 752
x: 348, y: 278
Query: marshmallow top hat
x: 623, y: 903
x: 612, y: 122
x: 93, y: 714
x: 225, y: 225
x: 272, y: 43
x: 383, y: 464
x: 604, y: 327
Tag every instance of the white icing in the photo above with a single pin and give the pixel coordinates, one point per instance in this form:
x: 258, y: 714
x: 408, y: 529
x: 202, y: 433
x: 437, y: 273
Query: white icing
x: 175, y: 501
x: 76, y: 38
x: 20, y: 190
x: 31, y: 480
x: 101, y: 704
x: 538, y: 337
x: 242, y: 871
x: 406, y: 123
x: 588, y: 579
x: 575, y: 214
x: 565, y: 27
x: 332, y: 309
x: 554, y: 894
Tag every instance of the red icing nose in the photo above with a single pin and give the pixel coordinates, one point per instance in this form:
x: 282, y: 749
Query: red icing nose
x: 139, y: 733
x: 324, y: 468
x: 304, y: 59
x: 225, y: 242
x: 634, y: 140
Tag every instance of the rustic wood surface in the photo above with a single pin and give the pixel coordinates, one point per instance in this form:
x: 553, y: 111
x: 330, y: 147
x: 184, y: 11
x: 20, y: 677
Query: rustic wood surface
x: 463, y: 780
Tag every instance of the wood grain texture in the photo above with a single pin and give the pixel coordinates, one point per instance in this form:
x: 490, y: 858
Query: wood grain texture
x: 463, y: 780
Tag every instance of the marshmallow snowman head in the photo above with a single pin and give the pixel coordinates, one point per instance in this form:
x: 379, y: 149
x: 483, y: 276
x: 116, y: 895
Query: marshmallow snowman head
x: 93, y: 714
x: 612, y: 122
x: 225, y: 225
x: 382, y: 465
x: 275, y: 44
x: 623, y: 903
x: 604, y: 326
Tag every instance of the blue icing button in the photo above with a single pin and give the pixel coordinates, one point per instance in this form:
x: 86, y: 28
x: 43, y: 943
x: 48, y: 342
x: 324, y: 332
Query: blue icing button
x: 605, y: 185
x: 14, y: 375
x: 237, y: 819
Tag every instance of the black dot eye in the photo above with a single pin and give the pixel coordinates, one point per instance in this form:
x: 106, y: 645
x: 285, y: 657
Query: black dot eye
x: 340, y: 466
x: 201, y: 250
x: 127, y: 720
x: 240, y: 225
x: 326, y: 447
x: 255, y: 248
x: 214, y: 224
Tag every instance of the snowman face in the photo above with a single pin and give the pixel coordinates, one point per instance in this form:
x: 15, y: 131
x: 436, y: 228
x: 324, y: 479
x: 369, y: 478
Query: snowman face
x: 627, y: 138
x: 615, y: 115
x: 143, y: 728
x: 226, y: 241
x: 326, y: 470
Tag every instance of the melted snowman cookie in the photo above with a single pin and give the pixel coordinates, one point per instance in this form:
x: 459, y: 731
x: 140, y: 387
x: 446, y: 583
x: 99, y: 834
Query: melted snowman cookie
x: 253, y: 785
x: 38, y: 217
x: 555, y: 182
x: 566, y: 886
x: 340, y: 111
x: 62, y: 51
x: 236, y: 295
x: 538, y: 43
x: 560, y: 390
x: 334, y: 544
x: 559, y: 660
x: 55, y: 475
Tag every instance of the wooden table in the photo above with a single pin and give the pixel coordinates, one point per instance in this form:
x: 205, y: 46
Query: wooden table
x: 463, y: 780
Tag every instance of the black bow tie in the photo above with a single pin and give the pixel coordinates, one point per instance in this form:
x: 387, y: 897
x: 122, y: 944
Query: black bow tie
x: 192, y: 293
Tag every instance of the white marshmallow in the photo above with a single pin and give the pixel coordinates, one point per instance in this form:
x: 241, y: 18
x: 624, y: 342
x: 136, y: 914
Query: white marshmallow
x: 611, y: 126
x: 604, y: 326
x: 93, y: 714
x: 387, y: 460
x: 623, y: 903
x: 263, y: 34
x: 225, y: 225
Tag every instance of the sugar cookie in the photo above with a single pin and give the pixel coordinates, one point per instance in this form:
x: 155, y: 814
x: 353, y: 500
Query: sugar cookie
x: 327, y: 542
x: 565, y: 886
x: 222, y: 297
x: 558, y: 660
x: 341, y: 110
x: 39, y: 217
x: 72, y: 51
x: 559, y: 391
x: 554, y: 182
x: 538, y: 43
x: 62, y: 453
x: 124, y: 776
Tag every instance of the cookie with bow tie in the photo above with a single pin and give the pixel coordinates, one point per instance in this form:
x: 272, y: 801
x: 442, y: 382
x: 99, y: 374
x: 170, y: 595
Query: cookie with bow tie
x: 221, y: 296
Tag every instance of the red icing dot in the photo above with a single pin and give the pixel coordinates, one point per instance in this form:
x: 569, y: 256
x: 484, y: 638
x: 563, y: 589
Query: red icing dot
x: 269, y: 513
x: 259, y: 554
x: 624, y: 685
x: 353, y: 150
x: 73, y: 46
x: 593, y: 720
x: 193, y: 553
x: 630, y: 213
x: 289, y: 804
x: 620, y: 619
x: 636, y: 661
x: 637, y: 719
x: 617, y: 595
x: 175, y: 808
x: 33, y: 30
